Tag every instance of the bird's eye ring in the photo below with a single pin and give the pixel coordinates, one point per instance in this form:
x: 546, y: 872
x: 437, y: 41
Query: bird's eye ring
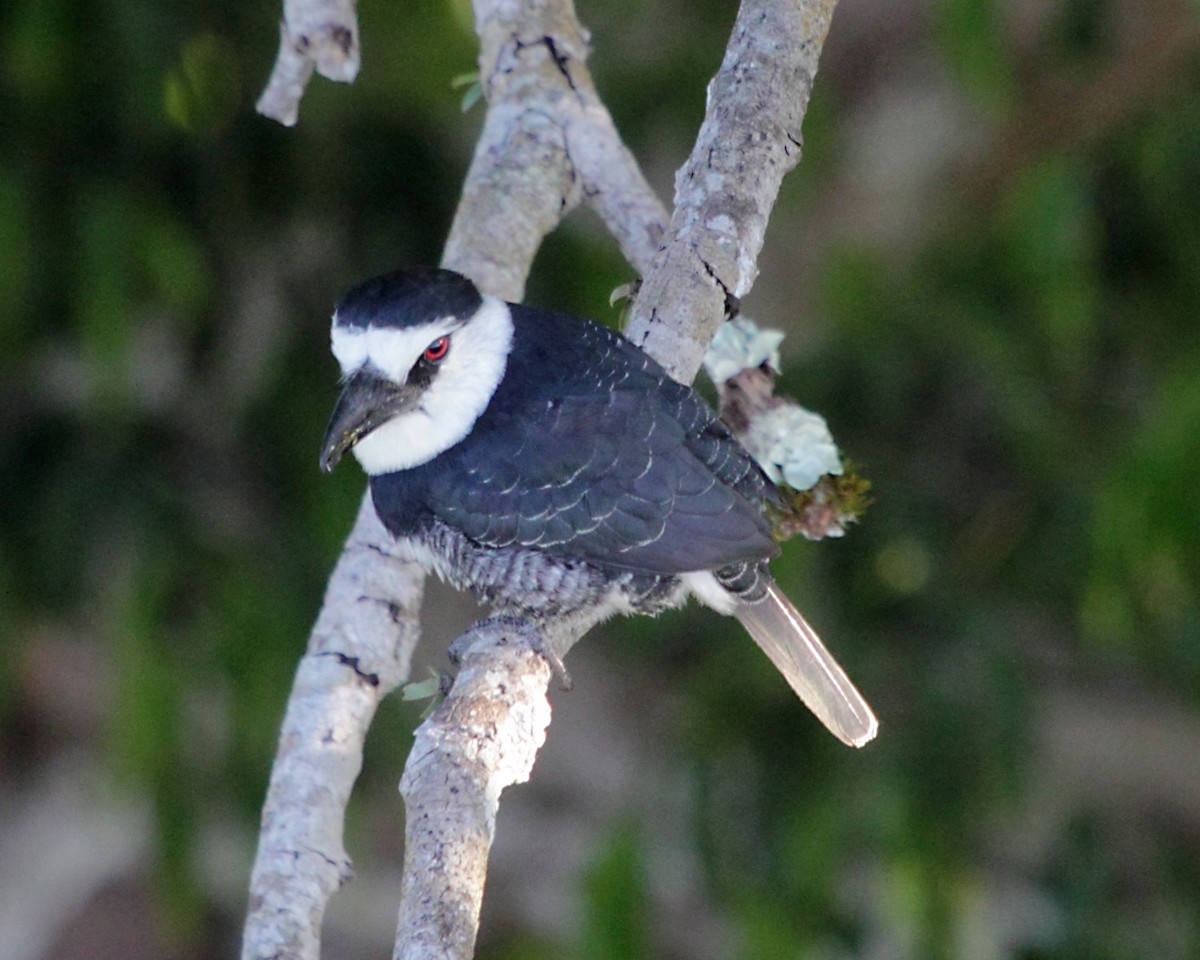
x: 437, y: 350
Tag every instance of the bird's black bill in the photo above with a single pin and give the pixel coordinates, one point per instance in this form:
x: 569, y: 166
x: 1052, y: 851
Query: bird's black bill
x: 368, y: 401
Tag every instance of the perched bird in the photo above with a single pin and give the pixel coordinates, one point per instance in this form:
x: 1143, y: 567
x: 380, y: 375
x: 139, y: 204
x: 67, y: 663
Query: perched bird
x: 553, y: 469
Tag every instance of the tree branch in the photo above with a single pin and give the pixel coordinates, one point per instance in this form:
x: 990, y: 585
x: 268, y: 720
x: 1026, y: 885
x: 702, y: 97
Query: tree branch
x: 547, y: 142
x: 749, y: 141
x: 359, y: 651
x: 313, y: 33
x: 484, y: 737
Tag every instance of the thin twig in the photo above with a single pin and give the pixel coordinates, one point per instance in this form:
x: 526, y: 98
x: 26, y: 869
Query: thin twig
x: 320, y: 34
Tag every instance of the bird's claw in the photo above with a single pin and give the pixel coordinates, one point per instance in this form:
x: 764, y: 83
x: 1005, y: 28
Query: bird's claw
x: 515, y: 627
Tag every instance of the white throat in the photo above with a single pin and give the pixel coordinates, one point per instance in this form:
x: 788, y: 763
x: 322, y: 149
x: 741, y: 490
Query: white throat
x: 461, y: 389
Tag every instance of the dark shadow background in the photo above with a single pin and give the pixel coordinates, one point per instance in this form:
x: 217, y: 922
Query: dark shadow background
x: 987, y: 263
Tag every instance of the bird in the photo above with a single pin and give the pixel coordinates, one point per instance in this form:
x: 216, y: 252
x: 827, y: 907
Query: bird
x: 549, y: 466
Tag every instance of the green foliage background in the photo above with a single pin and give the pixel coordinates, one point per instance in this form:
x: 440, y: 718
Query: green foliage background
x: 1019, y: 374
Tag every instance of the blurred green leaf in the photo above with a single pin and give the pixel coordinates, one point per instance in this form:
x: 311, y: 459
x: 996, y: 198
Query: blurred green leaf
x: 201, y: 91
x: 615, y: 892
x: 973, y: 40
x: 16, y: 266
x: 1143, y: 587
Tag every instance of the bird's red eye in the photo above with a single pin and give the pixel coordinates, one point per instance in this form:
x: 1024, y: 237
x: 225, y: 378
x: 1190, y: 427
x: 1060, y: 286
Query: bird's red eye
x: 438, y: 349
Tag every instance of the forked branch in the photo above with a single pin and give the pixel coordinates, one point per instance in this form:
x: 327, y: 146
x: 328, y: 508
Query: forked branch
x: 547, y: 144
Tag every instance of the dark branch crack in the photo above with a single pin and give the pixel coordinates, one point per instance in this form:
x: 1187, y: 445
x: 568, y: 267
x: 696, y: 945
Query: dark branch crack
x: 342, y: 37
x: 372, y: 679
x: 394, y: 610
x: 733, y: 305
x: 560, y: 60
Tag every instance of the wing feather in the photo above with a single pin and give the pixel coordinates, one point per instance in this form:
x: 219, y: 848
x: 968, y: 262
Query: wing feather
x: 577, y: 484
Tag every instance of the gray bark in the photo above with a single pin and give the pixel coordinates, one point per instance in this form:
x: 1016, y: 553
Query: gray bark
x: 724, y: 193
x: 313, y: 34
x: 359, y: 651
x: 483, y: 738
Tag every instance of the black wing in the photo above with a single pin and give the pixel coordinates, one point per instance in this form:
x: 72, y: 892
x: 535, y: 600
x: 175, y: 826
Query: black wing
x: 612, y: 463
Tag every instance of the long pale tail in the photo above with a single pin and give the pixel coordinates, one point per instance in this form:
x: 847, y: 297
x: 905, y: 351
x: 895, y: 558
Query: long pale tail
x: 808, y: 667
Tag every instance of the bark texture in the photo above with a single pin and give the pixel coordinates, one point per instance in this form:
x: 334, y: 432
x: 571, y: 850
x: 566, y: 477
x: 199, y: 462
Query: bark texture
x: 359, y: 651
x: 313, y: 34
x: 724, y: 193
x: 483, y: 738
